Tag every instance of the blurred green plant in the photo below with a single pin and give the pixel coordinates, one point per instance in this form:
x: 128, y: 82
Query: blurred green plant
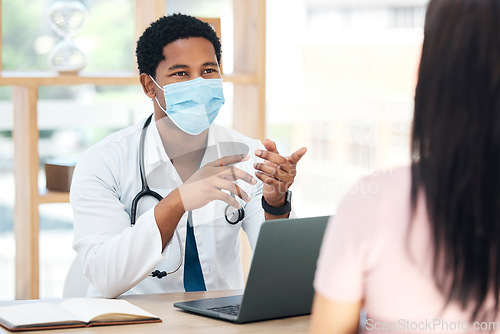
x: 21, y: 25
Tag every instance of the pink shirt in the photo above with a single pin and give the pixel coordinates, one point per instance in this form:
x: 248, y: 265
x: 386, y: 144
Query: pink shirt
x: 366, y: 255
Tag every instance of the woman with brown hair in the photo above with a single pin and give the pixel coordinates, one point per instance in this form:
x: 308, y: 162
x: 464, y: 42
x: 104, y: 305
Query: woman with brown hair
x: 422, y: 253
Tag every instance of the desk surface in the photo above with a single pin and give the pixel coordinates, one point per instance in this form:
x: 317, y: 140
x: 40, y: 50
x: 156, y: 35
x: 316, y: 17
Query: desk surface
x: 178, y: 321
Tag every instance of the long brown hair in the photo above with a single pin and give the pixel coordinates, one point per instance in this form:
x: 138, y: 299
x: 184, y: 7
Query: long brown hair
x: 456, y: 148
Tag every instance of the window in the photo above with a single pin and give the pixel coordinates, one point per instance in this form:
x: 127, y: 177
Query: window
x: 341, y: 77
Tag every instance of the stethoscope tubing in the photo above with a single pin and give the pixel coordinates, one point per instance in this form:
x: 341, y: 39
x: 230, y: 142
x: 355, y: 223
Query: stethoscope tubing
x: 145, y: 191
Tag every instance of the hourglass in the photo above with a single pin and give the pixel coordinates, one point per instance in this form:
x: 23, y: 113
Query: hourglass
x: 67, y: 18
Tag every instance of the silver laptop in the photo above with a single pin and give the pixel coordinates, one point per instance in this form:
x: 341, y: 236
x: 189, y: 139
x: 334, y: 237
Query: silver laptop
x: 280, y: 282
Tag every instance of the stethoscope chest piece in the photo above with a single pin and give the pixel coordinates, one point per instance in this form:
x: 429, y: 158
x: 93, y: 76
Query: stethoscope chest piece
x: 233, y: 215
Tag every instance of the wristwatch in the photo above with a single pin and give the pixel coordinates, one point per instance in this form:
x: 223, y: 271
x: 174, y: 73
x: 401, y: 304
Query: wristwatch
x: 286, y: 208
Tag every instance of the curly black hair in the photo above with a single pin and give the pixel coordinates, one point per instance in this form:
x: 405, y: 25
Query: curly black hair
x: 149, y: 51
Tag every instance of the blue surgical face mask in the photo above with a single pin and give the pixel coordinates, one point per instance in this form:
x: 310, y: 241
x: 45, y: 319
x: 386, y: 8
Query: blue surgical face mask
x: 192, y: 105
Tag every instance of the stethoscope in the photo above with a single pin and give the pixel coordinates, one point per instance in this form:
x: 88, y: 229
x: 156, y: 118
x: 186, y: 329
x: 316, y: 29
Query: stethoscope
x: 233, y: 216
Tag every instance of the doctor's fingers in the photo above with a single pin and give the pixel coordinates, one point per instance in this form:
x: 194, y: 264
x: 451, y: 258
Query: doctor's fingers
x: 229, y: 160
x: 273, y: 170
x: 222, y: 196
x: 274, y: 158
x: 297, y: 155
x: 231, y: 173
x: 276, y: 185
x: 233, y: 188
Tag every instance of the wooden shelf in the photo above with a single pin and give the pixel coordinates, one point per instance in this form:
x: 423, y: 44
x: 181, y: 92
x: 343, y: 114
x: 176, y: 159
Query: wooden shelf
x: 14, y: 78
x: 49, y: 196
x: 241, y: 79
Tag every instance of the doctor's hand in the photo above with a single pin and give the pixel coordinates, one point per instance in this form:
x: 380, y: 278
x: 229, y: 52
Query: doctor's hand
x: 208, y: 182
x: 276, y: 172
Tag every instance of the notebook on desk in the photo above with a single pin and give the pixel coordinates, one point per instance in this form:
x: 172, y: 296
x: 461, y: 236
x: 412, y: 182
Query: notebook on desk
x: 280, y: 282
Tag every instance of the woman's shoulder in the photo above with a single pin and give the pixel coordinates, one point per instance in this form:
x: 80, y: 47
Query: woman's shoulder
x: 378, y: 198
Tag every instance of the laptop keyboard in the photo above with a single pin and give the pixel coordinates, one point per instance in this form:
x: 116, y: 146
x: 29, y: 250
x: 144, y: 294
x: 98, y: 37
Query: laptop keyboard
x: 228, y: 309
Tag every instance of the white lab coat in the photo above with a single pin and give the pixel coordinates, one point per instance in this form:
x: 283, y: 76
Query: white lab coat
x: 117, y: 257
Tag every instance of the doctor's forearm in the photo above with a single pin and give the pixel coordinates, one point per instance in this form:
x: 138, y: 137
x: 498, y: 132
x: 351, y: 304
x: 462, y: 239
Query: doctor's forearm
x: 168, y: 213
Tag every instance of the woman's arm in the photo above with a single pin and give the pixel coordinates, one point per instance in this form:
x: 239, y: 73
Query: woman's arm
x: 330, y: 316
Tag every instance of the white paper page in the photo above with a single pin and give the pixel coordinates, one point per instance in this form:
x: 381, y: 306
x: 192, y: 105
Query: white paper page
x: 89, y: 308
x: 35, y: 313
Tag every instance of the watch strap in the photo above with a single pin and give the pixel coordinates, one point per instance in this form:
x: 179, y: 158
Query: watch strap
x: 284, y: 209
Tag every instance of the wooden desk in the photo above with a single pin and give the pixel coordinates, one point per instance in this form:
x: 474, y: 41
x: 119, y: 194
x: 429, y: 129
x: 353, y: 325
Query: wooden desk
x: 178, y: 321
